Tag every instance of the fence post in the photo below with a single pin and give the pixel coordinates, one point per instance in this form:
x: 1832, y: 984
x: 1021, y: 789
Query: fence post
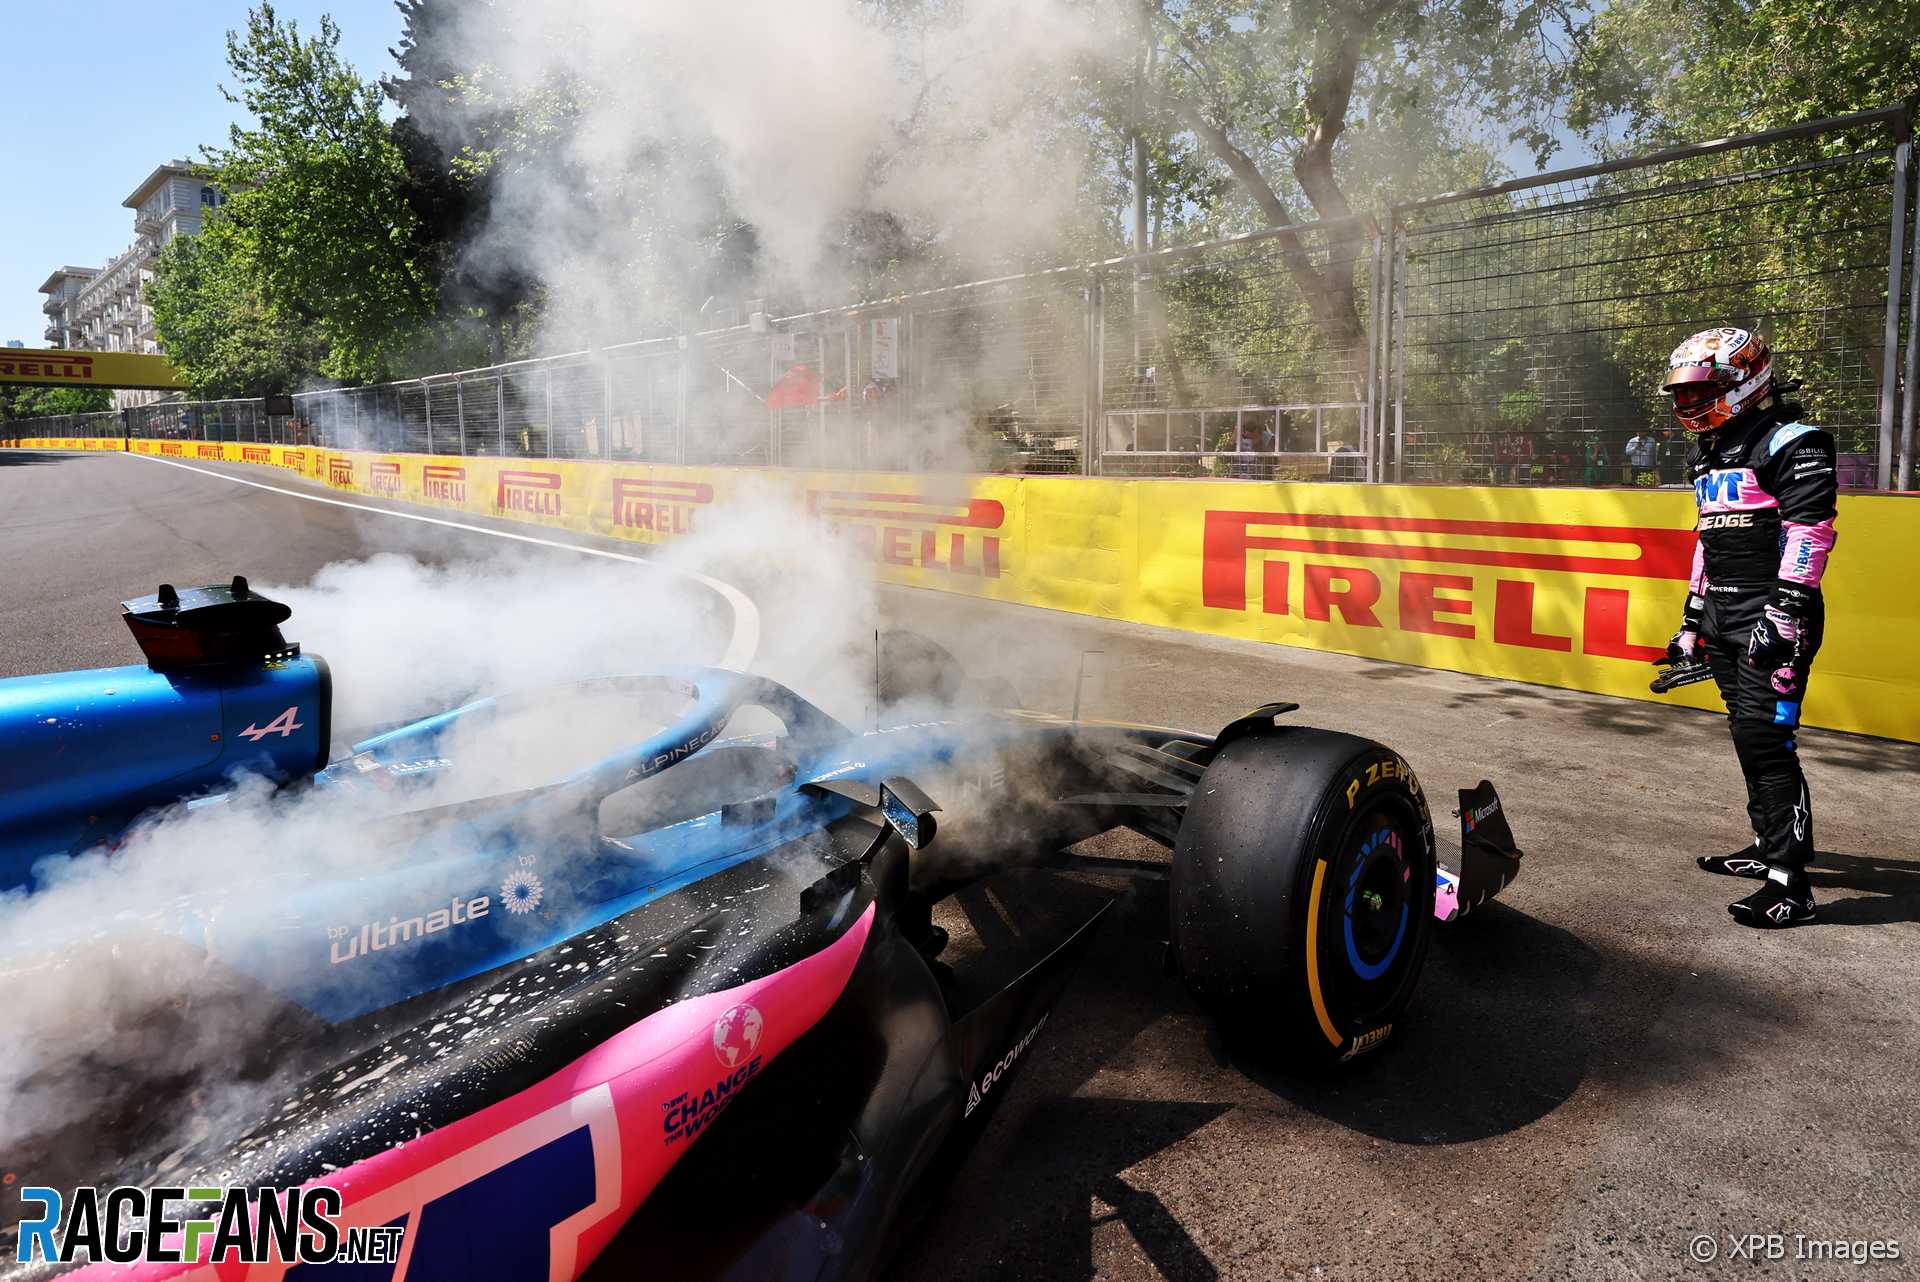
x: 1890, y: 344
x: 548, y: 371
x: 606, y: 416
x: 1911, y: 397
x: 426, y: 394
x: 1383, y: 343
x: 1096, y: 404
x: 1398, y: 319
x: 680, y: 401
x: 1370, y: 440
x: 500, y: 409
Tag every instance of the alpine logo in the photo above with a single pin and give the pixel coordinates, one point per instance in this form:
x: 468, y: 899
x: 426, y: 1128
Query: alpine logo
x: 979, y: 1090
x: 283, y: 725
x: 1744, y: 867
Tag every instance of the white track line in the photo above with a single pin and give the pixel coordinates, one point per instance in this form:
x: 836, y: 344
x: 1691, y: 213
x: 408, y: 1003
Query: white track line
x: 746, y: 616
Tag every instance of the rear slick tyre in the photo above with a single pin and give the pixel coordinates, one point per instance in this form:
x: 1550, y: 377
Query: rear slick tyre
x: 1302, y: 893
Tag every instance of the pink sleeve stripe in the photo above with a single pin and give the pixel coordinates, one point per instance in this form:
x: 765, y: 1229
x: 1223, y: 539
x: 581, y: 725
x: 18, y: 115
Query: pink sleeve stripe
x: 1698, y: 582
x: 1803, y: 554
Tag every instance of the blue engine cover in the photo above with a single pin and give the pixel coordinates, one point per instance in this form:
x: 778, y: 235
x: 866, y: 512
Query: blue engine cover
x: 82, y: 754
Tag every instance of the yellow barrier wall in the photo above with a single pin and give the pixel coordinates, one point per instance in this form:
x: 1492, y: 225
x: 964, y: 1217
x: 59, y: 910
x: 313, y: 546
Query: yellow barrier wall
x: 1564, y: 587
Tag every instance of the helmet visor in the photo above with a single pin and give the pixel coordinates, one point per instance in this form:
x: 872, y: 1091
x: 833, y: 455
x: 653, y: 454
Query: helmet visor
x: 1696, y: 376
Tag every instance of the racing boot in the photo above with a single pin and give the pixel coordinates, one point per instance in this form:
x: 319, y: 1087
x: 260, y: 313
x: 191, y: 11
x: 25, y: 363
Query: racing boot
x: 1741, y: 863
x: 1784, y: 899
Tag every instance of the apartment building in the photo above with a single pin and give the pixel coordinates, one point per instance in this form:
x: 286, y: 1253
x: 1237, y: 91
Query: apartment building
x: 104, y: 309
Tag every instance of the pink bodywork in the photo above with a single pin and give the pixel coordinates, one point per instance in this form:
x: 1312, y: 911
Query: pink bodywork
x: 620, y: 1091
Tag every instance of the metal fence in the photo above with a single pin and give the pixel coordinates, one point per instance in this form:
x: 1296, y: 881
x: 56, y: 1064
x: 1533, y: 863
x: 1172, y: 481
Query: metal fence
x: 1508, y: 335
x: 1532, y: 318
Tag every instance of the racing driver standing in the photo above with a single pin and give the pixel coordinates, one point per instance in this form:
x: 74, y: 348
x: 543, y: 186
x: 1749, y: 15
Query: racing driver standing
x: 1765, y: 484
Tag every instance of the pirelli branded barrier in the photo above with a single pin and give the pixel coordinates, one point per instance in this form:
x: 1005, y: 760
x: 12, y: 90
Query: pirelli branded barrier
x: 57, y: 367
x: 72, y: 443
x: 1564, y: 587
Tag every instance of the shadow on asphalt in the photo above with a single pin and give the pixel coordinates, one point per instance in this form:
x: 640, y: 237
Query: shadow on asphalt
x: 1059, y: 1188
x: 1497, y: 1038
x: 30, y: 458
x: 1892, y: 889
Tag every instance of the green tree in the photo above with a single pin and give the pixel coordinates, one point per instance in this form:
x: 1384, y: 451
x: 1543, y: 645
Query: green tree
x: 483, y: 295
x: 218, y: 330
x: 1796, y: 249
x: 317, y: 200
x: 1273, y: 90
x: 19, y: 402
x: 1659, y: 74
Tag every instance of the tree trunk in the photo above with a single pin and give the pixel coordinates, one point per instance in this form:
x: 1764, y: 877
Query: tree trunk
x: 1336, y: 61
x: 1328, y: 294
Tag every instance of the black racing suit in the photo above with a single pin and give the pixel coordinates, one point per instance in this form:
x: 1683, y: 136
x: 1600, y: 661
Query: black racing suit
x: 1766, y: 487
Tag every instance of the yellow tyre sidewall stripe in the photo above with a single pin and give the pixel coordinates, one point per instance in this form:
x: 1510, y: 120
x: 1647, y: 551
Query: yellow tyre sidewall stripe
x: 1313, y: 955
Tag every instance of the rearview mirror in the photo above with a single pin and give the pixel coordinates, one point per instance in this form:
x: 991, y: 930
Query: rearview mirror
x: 908, y: 811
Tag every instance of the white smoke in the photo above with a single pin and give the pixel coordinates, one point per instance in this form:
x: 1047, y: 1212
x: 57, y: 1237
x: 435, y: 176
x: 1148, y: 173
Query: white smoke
x: 114, y: 1007
x: 793, y: 117
x: 643, y: 135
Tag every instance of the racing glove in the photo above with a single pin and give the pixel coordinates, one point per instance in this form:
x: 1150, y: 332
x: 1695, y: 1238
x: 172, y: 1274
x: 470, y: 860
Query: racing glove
x: 1687, y: 639
x: 1775, y: 640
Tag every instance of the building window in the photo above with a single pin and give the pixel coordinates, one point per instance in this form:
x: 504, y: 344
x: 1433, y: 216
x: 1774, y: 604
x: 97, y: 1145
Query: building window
x: 209, y: 197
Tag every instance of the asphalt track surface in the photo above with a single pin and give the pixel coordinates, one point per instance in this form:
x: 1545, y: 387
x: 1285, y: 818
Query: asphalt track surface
x: 1594, y: 1072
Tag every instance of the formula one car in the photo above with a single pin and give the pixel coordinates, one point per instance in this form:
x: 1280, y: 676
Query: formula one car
x: 682, y: 1006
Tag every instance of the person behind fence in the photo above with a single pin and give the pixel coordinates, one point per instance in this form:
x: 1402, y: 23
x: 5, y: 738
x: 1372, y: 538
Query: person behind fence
x: 1642, y: 450
x: 1766, y: 489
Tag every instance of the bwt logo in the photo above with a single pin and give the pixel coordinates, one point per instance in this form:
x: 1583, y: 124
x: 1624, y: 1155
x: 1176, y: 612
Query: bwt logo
x: 534, y: 493
x: 255, y: 454
x: 946, y: 535
x: 446, y: 484
x: 340, y: 471
x: 1312, y: 575
x: 384, y: 478
x: 660, y: 507
x: 1709, y: 487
